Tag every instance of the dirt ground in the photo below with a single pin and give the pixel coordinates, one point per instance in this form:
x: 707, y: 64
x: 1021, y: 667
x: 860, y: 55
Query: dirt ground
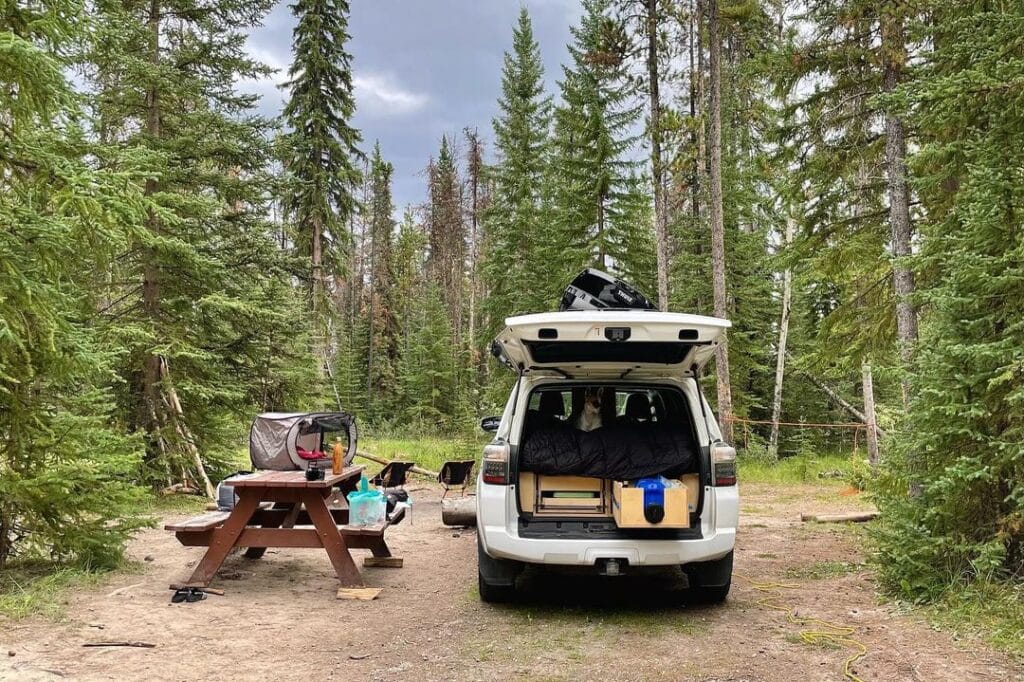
x: 279, y: 618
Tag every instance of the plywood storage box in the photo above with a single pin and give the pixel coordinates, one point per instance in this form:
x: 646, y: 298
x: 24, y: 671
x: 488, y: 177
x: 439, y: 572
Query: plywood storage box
x: 692, y: 483
x: 628, y: 507
x: 563, y: 495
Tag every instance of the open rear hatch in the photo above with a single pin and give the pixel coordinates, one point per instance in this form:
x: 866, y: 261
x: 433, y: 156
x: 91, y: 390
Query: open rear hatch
x: 611, y: 343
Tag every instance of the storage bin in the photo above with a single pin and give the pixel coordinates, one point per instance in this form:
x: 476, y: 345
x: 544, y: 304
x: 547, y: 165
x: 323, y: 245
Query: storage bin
x: 628, y: 507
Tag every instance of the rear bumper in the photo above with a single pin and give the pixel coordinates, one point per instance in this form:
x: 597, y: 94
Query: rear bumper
x: 502, y: 545
x: 499, y: 537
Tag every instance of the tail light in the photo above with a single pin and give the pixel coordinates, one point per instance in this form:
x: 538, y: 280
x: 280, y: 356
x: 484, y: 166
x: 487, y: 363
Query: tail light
x: 495, y: 464
x: 723, y: 464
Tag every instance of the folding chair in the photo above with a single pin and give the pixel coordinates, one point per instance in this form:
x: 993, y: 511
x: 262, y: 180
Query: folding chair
x: 393, y: 475
x: 455, y: 474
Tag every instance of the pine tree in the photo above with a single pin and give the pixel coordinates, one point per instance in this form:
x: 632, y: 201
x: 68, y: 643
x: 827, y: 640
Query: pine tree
x: 322, y: 145
x: 446, y: 260
x: 832, y: 75
x: 593, y: 188
x: 191, y: 291
x: 430, y: 371
x: 382, y: 344
x: 514, y: 226
x: 65, y: 466
x: 963, y: 441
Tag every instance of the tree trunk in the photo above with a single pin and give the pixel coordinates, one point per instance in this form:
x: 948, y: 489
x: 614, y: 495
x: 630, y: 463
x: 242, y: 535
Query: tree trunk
x: 894, y: 50
x: 317, y: 262
x: 718, y: 222
x: 839, y: 400
x: 780, y: 357
x: 657, y: 170
x: 869, y: 413
x: 697, y: 136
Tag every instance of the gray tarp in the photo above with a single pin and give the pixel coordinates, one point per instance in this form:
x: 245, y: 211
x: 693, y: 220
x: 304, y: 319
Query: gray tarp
x: 274, y: 436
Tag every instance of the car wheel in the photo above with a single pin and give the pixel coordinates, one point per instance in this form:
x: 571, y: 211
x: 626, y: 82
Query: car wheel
x: 496, y: 577
x: 709, y: 580
x: 495, y: 594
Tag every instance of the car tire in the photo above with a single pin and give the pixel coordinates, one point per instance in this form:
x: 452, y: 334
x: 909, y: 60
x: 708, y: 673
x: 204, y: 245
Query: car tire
x: 495, y: 594
x: 709, y: 580
x: 496, y: 577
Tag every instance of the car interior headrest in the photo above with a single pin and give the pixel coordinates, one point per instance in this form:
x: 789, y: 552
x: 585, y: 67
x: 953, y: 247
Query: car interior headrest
x: 638, y: 406
x: 551, y: 403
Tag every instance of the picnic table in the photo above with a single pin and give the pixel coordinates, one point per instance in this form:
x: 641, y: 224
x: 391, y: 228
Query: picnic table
x: 276, y: 509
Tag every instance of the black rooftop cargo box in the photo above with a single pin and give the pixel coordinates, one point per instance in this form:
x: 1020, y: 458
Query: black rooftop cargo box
x: 596, y: 290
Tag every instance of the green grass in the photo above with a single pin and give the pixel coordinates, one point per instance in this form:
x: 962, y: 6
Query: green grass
x: 803, y: 468
x: 429, y: 453
x: 38, y: 588
x: 823, y: 569
x: 992, y: 611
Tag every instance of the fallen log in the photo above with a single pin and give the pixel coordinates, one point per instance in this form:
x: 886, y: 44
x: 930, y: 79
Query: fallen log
x: 458, y: 511
x: 852, y: 517
x: 381, y: 460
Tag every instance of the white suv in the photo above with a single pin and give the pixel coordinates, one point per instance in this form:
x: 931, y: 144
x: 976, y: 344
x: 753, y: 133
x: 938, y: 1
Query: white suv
x: 605, y: 401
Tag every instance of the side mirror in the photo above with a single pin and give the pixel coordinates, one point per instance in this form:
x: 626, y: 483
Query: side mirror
x: 490, y: 424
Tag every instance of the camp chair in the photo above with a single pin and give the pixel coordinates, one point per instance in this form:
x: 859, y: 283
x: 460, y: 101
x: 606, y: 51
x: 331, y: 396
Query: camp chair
x: 455, y: 474
x: 393, y: 475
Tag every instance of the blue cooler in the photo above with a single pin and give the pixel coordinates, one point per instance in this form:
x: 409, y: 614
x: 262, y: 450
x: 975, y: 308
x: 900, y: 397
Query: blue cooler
x: 654, y: 498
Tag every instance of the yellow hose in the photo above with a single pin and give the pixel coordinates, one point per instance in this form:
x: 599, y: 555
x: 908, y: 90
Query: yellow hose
x: 828, y: 632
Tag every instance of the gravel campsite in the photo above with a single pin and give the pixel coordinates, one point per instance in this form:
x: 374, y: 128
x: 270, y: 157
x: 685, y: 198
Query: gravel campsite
x: 279, y: 618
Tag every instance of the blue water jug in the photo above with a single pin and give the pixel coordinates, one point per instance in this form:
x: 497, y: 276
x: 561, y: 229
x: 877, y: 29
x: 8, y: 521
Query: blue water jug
x: 654, y: 498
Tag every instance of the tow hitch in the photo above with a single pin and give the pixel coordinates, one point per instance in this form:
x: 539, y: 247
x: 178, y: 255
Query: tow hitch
x: 611, y: 567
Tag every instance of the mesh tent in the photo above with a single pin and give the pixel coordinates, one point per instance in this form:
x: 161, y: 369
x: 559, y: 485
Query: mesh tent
x: 285, y: 441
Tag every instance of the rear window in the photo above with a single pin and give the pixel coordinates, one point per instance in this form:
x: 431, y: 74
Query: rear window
x: 619, y: 405
x: 570, y: 352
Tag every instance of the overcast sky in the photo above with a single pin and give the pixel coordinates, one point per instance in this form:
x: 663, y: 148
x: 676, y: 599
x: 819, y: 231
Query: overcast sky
x: 422, y: 68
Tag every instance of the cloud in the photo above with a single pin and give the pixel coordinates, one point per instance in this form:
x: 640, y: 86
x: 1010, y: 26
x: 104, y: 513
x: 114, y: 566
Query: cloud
x: 381, y: 94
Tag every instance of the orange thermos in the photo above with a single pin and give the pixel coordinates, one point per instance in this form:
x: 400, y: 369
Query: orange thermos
x: 338, y: 458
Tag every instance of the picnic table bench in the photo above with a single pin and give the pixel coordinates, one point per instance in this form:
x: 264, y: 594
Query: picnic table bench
x: 283, y: 509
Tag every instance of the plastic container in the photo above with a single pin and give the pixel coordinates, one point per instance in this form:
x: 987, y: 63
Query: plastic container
x: 366, y: 507
x: 654, y: 497
x: 226, y: 497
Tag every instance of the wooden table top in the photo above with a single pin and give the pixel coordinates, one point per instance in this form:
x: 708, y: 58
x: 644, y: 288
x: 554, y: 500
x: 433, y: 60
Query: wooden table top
x: 294, y: 479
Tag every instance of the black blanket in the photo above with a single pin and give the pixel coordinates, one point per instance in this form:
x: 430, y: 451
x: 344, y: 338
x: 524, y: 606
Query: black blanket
x: 617, y: 452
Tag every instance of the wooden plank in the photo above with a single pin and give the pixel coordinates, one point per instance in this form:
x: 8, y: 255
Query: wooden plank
x: 376, y: 529
x: 360, y: 593
x: 296, y: 479
x: 199, y: 523
x: 332, y: 539
x: 277, y: 517
x: 279, y: 537
x: 569, y: 483
x: 223, y: 539
x: 382, y: 561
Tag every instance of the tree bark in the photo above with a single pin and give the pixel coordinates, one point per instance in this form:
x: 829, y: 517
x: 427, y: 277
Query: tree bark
x: 697, y: 133
x: 458, y: 511
x: 317, y: 263
x: 780, y: 357
x: 869, y: 412
x: 718, y: 222
x: 894, y: 51
x: 475, y: 167
x: 657, y: 169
